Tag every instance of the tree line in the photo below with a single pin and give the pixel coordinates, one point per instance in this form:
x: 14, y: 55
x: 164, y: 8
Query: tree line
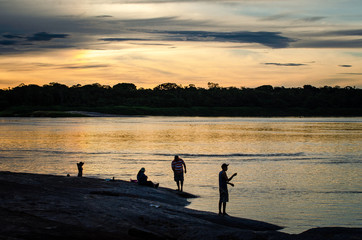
x: 263, y: 100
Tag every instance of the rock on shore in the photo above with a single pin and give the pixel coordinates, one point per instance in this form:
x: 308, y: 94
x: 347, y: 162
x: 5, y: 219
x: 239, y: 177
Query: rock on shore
x: 34, y: 206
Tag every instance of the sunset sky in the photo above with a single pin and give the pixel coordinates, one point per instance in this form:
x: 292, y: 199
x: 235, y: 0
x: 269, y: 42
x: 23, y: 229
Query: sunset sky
x: 245, y: 43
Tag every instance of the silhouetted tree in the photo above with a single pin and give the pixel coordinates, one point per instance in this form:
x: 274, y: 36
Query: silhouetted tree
x: 167, y: 87
x: 212, y: 85
x: 170, y: 95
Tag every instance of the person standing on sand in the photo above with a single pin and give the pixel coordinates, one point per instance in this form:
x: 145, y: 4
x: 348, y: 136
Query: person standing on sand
x: 177, y: 166
x: 80, y: 169
x: 223, y: 188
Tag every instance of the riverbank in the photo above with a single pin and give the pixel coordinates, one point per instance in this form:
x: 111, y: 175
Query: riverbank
x: 57, y: 207
x: 115, y: 111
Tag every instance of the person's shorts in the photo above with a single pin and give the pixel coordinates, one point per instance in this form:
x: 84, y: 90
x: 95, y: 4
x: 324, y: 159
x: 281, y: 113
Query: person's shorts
x: 179, y: 177
x: 224, y: 195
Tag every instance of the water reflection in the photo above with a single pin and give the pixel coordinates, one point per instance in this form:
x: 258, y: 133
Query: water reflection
x: 295, y: 172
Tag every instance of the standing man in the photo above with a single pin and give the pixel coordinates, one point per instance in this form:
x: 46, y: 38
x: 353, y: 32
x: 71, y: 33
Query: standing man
x: 177, y: 166
x: 223, y: 188
x: 80, y: 169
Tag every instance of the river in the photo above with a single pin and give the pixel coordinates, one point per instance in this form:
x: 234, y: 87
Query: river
x: 295, y: 172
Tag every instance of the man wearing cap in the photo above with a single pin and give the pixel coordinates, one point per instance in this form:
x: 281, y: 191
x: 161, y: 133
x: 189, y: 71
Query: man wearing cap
x: 223, y: 188
x: 177, y: 166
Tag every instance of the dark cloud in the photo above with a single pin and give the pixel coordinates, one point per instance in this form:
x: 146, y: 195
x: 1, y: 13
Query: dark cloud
x: 123, y: 39
x: 135, y: 39
x: 356, y: 43
x: 286, y: 64
x: 312, y: 19
x: 269, y: 39
x: 153, y: 44
x: 44, y: 36
x: 56, y: 46
x: 350, y: 32
x: 170, y: 1
x: 345, y: 66
x: 290, y: 16
x: 276, y: 17
x: 158, y: 23
x: 30, y: 43
x: 7, y: 49
x: 331, y: 39
x: 7, y: 42
x: 70, y: 66
x: 339, y: 33
x: 104, y: 16
x: 84, y: 66
x: 12, y: 36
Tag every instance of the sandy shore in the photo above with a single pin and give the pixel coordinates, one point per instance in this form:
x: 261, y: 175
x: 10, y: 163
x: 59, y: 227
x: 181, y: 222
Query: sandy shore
x: 55, y: 207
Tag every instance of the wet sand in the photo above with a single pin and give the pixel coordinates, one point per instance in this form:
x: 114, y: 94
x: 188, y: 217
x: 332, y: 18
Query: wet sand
x: 37, y: 206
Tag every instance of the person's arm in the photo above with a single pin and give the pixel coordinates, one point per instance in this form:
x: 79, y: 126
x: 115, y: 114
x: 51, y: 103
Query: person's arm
x: 173, y: 166
x: 229, y: 179
x: 232, y: 176
x: 184, y: 165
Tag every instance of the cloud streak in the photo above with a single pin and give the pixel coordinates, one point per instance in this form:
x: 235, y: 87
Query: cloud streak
x: 17, y: 44
x: 12, y: 36
x: 286, y: 64
x: 7, y: 42
x: 332, y: 43
x: 263, y: 40
x: 357, y: 74
x: 350, y: 32
x: 83, y: 66
x: 269, y: 39
x: 44, y: 36
x: 312, y: 19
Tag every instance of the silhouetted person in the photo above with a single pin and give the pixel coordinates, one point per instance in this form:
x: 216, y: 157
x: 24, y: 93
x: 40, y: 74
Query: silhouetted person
x: 80, y: 169
x: 142, y: 179
x: 177, y: 166
x: 223, y: 188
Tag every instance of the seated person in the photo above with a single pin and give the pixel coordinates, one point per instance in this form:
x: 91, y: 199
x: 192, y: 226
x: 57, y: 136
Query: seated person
x: 142, y: 179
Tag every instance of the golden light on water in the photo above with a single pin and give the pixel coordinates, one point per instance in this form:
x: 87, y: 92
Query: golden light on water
x: 294, y: 172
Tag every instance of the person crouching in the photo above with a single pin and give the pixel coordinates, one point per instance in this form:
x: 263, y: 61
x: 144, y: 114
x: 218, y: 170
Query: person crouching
x: 142, y: 179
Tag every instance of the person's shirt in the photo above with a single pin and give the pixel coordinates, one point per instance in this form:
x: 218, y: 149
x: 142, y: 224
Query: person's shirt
x: 141, y: 177
x: 223, y: 180
x: 177, y: 165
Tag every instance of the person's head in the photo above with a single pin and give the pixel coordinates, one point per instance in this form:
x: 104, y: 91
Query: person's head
x: 176, y: 157
x: 224, y: 166
x: 142, y: 170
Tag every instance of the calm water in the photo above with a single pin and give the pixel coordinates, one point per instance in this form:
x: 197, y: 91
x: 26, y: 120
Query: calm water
x: 295, y: 172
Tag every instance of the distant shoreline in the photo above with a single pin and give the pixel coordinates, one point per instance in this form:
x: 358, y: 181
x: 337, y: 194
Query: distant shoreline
x: 121, y: 111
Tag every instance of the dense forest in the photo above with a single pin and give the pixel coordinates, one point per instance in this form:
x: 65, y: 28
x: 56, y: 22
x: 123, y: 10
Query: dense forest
x: 174, y: 99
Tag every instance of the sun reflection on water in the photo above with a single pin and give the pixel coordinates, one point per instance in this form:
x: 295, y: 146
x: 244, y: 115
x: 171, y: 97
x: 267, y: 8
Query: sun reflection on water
x: 299, y: 173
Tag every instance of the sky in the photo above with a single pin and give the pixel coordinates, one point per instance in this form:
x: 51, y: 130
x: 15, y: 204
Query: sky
x: 245, y: 43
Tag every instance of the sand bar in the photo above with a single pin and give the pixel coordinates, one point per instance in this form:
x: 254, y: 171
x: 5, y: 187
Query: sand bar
x: 34, y: 206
